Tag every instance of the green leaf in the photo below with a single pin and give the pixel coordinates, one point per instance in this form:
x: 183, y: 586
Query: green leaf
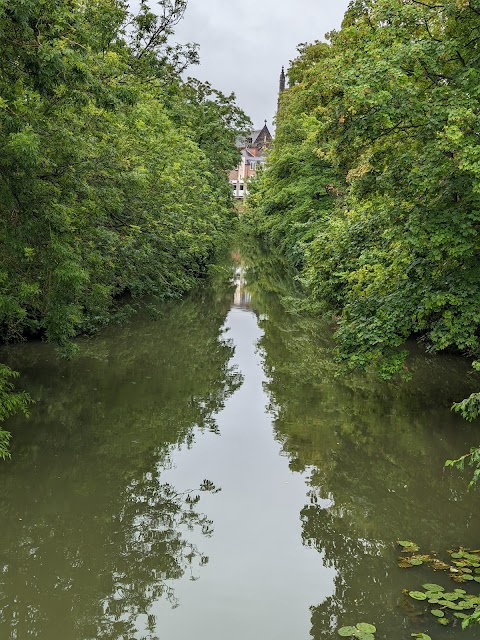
x: 433, y: 587
x: 408, y: 545
x: 417, y: 595
x: 346, y: 632
x: 363, y: 635
x: 367, y: 628
x: 451, y: 596
x: 437, y: 613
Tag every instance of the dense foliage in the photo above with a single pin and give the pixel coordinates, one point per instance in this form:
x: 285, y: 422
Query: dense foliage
x: 373, y: 452
x: 373, y: 188
x: 112, y: 169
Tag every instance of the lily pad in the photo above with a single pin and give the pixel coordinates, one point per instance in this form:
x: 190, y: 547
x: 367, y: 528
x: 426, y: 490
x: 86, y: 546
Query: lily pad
x: 346, y: 632
x: 452, y: 605
x: 451, y: 596
x: 367, y: 628
x: 471, y: 557
x: 417, y: 595
x: 363, y: 635
x: 437, y: 613
x: 432, y: 587
x: 416, y: 562
x: 408, y: 545
x: 421, y: 636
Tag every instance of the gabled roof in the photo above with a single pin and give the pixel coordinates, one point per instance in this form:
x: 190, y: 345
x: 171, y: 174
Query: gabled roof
x: 255, y: 135
x: 261, y: 133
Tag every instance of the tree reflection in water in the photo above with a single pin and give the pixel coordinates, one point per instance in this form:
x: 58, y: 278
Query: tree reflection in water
x: 91, y: 536
x: 373, y: 453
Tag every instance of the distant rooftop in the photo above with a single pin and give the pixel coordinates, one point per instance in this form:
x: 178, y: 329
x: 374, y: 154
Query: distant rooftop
x: 252, y: 137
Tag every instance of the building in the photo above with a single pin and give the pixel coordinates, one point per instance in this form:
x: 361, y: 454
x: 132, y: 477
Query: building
x: 253, y: 149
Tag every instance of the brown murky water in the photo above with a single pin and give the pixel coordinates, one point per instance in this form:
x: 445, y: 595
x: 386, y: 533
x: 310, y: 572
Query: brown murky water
x: 310, y: 479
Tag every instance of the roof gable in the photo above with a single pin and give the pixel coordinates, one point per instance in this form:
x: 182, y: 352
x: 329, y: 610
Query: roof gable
x: 260, y: 134
x: 254, y: 138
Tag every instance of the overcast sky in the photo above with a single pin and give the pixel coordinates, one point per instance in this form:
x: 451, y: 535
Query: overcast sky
x: 244, y: 44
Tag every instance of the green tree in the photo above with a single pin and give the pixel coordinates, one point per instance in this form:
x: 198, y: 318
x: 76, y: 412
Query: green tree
x: 391, y: 105
x: 113, y: 170
x: 371, y: 452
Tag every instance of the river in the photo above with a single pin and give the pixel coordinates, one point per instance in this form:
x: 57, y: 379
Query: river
x: 206, y: 474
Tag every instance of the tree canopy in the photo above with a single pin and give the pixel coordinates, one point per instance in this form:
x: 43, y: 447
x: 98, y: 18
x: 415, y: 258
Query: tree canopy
x: 373, y: 187
x: 113, y: 170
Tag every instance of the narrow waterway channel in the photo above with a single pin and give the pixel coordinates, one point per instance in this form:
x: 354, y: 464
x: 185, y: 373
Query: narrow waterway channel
x: 206, y: 475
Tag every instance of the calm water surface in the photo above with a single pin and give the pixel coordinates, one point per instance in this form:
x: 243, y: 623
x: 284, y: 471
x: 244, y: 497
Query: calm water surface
x: 206, y: 475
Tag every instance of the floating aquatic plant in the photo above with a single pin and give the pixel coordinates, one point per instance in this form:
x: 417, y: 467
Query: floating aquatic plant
x: 408, y: 546
x: 464, y: 566
x: 362, y: 631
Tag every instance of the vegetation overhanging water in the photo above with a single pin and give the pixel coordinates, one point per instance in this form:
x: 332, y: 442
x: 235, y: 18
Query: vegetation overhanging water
x: 211, y: 470
x: 306, y: 481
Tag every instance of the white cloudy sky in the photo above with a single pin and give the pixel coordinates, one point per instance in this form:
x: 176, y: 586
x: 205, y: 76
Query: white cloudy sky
x: 244, y: 44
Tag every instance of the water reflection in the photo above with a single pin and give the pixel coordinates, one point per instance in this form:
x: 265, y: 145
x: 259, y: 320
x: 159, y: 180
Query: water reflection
x: 373, y: 454
x: 91, y: 533
x: 241, y: 298
x: 319, y: 476
x: 261, y: 578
